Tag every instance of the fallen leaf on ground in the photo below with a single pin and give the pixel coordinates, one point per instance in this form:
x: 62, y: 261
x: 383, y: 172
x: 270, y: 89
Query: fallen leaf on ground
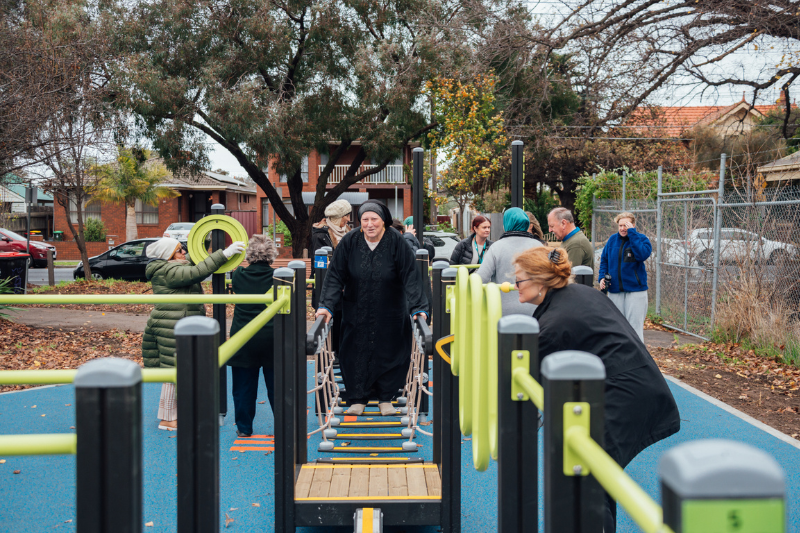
x: 263, y: 402
x: 256, y: 505
x: 68, y: 521
x: 228, y: 520
x: 718, y: 376
x: 148, y: 524
x: 2, y: 461
x: 233, y: 509
x: 67, y: 404
x: 17, y: 471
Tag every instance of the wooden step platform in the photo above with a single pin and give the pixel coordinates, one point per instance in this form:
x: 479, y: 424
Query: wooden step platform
x: 368, y: 483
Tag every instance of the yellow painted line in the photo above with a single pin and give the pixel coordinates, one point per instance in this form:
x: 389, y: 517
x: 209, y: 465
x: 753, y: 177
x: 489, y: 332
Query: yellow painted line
x: 254, y: 442
x: 366, y: 519
x: 363, y: 424
x: 368, y: 448
x: 342, y: 459
x: 412, y: 465
x: 258, y: 437
x: 369, y: 435
x: 251, y: 448
x: 368, y: 498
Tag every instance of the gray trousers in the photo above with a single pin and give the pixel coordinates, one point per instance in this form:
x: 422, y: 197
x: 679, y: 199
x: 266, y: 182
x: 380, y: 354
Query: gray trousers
x: 633, y: 305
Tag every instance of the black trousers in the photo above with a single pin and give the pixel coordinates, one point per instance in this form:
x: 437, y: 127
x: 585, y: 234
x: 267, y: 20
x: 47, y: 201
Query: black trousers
x: 245, y: 391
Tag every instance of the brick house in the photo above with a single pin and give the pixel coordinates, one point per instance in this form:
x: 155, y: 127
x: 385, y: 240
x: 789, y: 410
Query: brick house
x: 197, y: 195
x: 388, y: 186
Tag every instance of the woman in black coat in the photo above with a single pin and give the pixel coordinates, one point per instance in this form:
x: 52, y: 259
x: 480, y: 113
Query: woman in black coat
x: 257, y: 353
x: 375, y: 276
x: 639, y: 407
x: 471, y: 250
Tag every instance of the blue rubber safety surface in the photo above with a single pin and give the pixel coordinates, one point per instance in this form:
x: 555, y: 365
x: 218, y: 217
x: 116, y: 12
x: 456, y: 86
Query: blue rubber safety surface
x: 42, y: 497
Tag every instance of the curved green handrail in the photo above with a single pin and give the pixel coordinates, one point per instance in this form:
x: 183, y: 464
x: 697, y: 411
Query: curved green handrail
x: 459, y: 320
x: 494, y: 311
x: 464, y: 352
x: 479, y: 363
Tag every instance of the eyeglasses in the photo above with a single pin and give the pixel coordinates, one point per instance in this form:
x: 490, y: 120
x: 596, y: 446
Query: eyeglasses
x: 520, y: 281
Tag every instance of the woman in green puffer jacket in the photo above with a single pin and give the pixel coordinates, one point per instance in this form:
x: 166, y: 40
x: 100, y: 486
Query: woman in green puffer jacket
x: 170, y: 273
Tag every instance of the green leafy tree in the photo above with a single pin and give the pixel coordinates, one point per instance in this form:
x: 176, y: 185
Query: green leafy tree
x: 134, y: 176
x: 271, y: 81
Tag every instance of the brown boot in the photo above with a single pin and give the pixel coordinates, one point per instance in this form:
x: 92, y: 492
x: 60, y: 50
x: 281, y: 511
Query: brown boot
x: 171, y: 425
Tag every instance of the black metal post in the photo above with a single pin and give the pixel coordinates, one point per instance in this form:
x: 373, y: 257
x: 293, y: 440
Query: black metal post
x: 572, y: 503
x: 584, y: 275
x: 438, y: 366
x: 285, y: 446
x: 108, y: 422
x: 320, y: 270
x: 451, y: 431
x: 218, y: 287
x: 517, y: 170
x: 518, y: 453
x: 419, y: 193
x: 300, y: 360
x: 197, y: 349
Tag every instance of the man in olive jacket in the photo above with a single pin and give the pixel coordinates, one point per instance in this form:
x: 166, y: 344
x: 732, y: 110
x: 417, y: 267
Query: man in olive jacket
x: 579, y: 248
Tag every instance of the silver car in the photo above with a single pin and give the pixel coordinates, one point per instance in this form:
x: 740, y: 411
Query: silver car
x: 179, y: 231
x: 443, y: 242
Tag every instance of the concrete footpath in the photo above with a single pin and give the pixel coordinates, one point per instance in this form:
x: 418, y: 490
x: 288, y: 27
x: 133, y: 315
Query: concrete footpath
x: 42, y: 496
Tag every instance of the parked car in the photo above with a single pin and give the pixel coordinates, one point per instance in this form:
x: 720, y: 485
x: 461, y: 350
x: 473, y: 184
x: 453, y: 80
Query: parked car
x: 13, y: 242
x: 737, y: 245
x: 126, y: 261
x: 179, y: 231
x: 443, y: 242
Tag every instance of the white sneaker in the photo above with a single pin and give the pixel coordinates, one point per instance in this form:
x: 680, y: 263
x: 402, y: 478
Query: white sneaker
x: 357, y: 409
x: 387, y: 409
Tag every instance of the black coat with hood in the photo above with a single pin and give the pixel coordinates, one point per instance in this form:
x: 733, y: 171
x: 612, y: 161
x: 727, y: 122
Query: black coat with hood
x: 639, y: 407
x: 462, y: 253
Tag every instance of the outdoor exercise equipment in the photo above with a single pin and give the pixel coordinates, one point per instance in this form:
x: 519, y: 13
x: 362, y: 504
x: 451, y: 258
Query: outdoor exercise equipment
x: 196, y: 241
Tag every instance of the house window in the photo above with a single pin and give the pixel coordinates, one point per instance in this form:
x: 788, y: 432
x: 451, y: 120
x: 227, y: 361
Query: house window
x: 244, y: 198
x: 303, y: 171
x: 89, y: 211
x: 146, y: 213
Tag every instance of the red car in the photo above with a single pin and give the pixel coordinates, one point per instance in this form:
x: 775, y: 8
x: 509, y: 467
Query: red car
x: 13, y: 242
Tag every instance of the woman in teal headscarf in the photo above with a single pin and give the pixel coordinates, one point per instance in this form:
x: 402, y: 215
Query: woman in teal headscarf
x: 498, y: 264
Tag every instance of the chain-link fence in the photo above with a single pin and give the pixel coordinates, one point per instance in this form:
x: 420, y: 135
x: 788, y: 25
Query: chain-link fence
x: 732, y: 263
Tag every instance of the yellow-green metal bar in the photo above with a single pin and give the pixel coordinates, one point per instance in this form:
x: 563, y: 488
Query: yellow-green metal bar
x: 39, y: 444
x: 64, y: 299
x: 159, y: 375
x: 637, y: 503
x: 522, y: 378
x: 234, y: 344
x: 459, y: 266
x: 311, y: 281
x: 36, y: 377
x: 59, y: 377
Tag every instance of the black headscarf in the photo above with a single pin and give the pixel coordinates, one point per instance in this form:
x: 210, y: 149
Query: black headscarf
x: 378, y: 208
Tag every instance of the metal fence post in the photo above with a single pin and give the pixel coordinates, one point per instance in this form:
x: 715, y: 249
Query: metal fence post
x: 285, y: 449
x: 517, y: 418
x: 320, y: 270
x: 721, y: 485
x: 197, y: 349
x: 418, y: 192
x: 218, y: 312
x: 51, y: 274
x: 658, y: 241
x: 573, y: 382
x: 438, y: 367
x: 108, y: 422
x: 451, y: 431
x: 422, y: 265
x: 717, y: 227
x: 624, y: 186
x: 517, y: 171
x: 300, y: 360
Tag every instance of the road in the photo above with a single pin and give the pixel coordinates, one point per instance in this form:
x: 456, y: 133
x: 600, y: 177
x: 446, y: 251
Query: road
x: 38, y: 276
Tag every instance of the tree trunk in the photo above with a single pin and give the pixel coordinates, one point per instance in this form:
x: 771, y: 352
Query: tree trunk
x: 130, y: 223
x: 301, y: 238
x: 77, y: 234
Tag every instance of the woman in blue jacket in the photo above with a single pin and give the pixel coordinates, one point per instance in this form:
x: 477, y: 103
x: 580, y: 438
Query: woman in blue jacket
x: 623, y: 258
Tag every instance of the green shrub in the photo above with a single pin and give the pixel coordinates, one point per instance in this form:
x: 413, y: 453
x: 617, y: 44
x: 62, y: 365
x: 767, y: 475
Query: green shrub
x: 95, y: 230
x: 282, y: 228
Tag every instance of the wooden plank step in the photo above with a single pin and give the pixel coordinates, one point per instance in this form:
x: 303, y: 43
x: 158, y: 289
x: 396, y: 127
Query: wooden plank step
x: 369, y: 436
x: 368, y: 482
x: 384, y: 424
x: 369, y: 460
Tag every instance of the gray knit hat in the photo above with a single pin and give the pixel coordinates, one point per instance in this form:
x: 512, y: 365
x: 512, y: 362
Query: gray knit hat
x: 336, y: 210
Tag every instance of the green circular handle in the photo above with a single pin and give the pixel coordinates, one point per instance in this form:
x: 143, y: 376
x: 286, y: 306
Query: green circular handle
x: 480, y: 389
x: 494, y: 311
x: 201, y: 229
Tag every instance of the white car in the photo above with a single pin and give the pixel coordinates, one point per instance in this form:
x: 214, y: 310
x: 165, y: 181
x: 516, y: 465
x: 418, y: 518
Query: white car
x: 179, y: 231
x: 444, y: 243
x: 734, y: 245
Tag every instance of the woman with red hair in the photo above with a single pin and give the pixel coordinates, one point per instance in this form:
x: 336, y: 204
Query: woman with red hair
x: 471, y: 250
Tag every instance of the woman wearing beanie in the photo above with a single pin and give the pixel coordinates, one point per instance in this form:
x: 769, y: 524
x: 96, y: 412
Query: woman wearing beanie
x: 373, y: 274
x: 170, y: 273
x: 328, y: 232
x: 639, y: 407
x: 472, y: 250
x: 497, y: 264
